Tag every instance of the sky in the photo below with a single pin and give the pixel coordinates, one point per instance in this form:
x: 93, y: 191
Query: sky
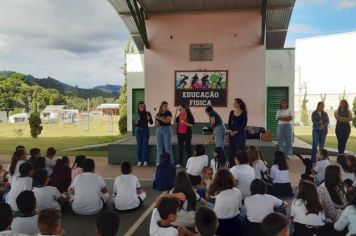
x: 82, y: 44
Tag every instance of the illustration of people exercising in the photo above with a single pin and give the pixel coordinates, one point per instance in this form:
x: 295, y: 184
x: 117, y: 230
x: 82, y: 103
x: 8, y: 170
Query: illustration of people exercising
x: 195, y: 83
x: 218, y: 84
x: 183, y: 81
x: 205, y: 81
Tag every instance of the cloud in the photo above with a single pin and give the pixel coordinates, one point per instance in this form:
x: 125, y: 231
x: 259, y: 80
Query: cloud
x: 74, y: 42
x: 296, y: 28
x: 310, y: 2
x: 345, y: 4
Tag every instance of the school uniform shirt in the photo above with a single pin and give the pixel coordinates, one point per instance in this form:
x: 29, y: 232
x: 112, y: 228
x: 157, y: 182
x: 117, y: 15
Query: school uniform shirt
x: 244, y: 174
x: 258, y: 206
x: 347, y: 219
x: 195, y: 165
x: 25, y: 224
x: 259, y: 167
x: 320, y: 168
x: 228, y: 203
x: 279, y: 176
x: 157, y: 230
x: 87, y: 194
x: 19, y: 184
x: 125, y: 192
x: 347, y: 175
x: 284, y: 112
x: 50, y: 163
x: 11, y: 233
x: 16, y: 172
x: 214, y: 166
x: 299, y: 213
x: 46, y: 197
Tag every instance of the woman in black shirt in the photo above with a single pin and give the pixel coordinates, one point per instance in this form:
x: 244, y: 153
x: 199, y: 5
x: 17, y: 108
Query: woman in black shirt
x: 142, y: 133
x: 164, y: 133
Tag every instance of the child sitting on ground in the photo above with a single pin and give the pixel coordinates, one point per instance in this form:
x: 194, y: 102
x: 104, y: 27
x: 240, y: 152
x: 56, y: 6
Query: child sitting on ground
x: 17, y: 159
x: 34, y: 153
x: 26, y: 222
x: 127, y: 192
x: 165, y: 213
x: 46, y: 196
x: 256, y: 161
x: 206, y: 222
x: 276, y: 224
x: 280, y: 176
x: 107, y: 224
x: 320, y: 166
x: 6, y: 218
x: 61, y: 176
x: 165, y: 173
x: 196, y: 164
x: 20, y: 183
x: 50, y: 162
x: 219, y: 161
x: 206, y: 179
x: 49, y: 222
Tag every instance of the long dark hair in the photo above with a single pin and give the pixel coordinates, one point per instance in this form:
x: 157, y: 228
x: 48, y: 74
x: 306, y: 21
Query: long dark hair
x: 242, y: 104
x: 138, y: 106
x: 220, y: 158
x: 39, y: 163
x: 280, y: 160
x: 182, y: 184
x: 319, y: 104
x: 187, y: 109
x: 342, y: 160
x: 161, y: 106
x: 15, y: 158
x: 346, y: 105
x: 280, y: 104
x: 333, y: 183
x: 308, y: 194
x: 223, y: 180
x: 79, y: 161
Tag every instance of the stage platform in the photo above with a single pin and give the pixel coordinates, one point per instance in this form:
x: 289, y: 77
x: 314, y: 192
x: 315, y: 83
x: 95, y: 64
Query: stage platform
x: 126, y: 149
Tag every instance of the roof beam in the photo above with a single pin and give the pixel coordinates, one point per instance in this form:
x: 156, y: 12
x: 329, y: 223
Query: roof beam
x: 277, y: 30
x: 276, y: 8
x: 138, y: 16
x: 264, y: 16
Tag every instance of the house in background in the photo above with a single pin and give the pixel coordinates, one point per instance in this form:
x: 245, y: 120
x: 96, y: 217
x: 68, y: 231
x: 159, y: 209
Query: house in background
x: 18, y: 118
x: 59, y: 113
x: 109, y: 108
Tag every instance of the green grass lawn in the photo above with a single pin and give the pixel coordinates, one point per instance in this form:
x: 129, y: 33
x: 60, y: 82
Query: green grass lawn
x: 7, y: 145
x: 304, y: 133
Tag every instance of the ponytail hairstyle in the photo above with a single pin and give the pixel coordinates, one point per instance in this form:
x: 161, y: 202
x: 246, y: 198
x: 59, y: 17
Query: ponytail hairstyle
x: 333, y: 183
x: 220, y: 158
x: 242, y: 104
x: 15, y: 158
x: 280, y: 160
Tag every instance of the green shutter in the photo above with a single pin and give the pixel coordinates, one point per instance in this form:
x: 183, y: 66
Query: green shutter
x: 274, y: 97
x: 138, y: 95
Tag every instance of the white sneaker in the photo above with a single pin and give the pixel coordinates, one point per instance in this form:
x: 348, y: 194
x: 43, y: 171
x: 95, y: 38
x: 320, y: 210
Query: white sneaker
x: 145, y: 164
x: 178, y: 166
x: 139, y: 164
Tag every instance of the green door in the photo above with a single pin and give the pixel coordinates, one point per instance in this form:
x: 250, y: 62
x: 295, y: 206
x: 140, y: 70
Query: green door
x: 274, y: 97
x: 138, y: 95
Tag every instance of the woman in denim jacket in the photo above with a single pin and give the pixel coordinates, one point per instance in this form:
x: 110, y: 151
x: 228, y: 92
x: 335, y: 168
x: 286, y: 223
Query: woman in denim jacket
x: 320, y: 121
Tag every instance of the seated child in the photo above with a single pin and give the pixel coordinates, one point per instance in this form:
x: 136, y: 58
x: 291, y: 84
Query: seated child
x: 26, y: 222
x: 165, y: 213
x: 107, y: 224
x: 50, y: 162
x: 276, y: 224
x: 46, y: 196
x: 20, y: 183
x: 206, y: 222
x: 89, y: 190
x: 256, y: 160
x: 320, y: 166
x: 127, y: 192
x: 165, y: 173
x: 347, y: 219
x: 206, y: 178
x: 34, y: 153
x: 6, y: 217
x: 49, y: 222
x: 196, y: 164
x: 17, y: 159
x: 280, y: 176
x: 62, y: 175
x: 219, y: 161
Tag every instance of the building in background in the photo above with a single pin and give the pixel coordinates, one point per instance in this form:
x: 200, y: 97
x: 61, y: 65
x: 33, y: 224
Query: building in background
x: 18, y: 118
x: 59, y: 113
x: 109, y: 108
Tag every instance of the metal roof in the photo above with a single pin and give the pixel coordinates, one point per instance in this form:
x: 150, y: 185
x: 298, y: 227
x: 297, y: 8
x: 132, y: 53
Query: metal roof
x: 278, y: 14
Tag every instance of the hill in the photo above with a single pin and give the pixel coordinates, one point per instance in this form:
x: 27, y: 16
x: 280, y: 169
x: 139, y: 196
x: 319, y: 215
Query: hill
x: 105, y: 91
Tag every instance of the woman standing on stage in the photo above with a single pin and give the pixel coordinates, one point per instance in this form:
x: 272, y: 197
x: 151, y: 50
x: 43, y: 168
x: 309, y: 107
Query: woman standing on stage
x: 217, y: 125
x: 343, y: 117
x: 142, y: 133
x: 320, y: 121
x: 285, y: 120
x: 185, y: 121
x: 164, y: 132
x: 237, y: 125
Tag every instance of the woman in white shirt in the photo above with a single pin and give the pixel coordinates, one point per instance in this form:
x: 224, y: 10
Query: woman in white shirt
x: 280, y: 176
x: 285, y: 121
x: 307, y: 211
x: 196, y: 164
x: 244, y: 174
x: 228, y: 202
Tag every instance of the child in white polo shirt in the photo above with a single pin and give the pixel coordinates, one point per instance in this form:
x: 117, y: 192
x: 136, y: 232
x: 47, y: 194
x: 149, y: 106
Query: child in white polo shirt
x: 6, y: 218
x: 320, y: 166
x: 196, y: 164
x: 127, y: 192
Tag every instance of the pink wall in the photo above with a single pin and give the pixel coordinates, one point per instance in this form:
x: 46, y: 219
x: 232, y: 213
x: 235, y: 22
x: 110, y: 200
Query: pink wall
x: 236, y: 37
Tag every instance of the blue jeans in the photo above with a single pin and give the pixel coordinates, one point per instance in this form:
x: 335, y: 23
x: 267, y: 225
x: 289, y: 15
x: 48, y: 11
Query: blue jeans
x: 319, y: 137
x: 219, y: 135
x: 142, y: 136
x: 164, y: 143
x: 285, y: 138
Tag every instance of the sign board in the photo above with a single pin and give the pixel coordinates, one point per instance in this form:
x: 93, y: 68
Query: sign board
x: 201, y: 88
x: 201, y: 52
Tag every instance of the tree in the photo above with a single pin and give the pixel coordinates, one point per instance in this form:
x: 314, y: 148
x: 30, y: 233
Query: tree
x: 323, y: 97
x: 35, y: 123
x: 123, y: 95
x: 354, y: 111
x: 304, y: 115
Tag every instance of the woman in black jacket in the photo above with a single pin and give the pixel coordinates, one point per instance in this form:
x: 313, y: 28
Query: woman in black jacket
x: 185, y: 121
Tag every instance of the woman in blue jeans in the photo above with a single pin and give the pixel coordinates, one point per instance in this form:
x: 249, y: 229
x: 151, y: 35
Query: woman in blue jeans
x: 285, y: 121
x: 164, y: 133
x: 142, y: 133
x: 217, y: 125
x: 320, y: 121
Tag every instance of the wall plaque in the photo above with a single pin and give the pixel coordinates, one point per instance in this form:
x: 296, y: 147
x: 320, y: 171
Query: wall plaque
x: 201, y: 52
